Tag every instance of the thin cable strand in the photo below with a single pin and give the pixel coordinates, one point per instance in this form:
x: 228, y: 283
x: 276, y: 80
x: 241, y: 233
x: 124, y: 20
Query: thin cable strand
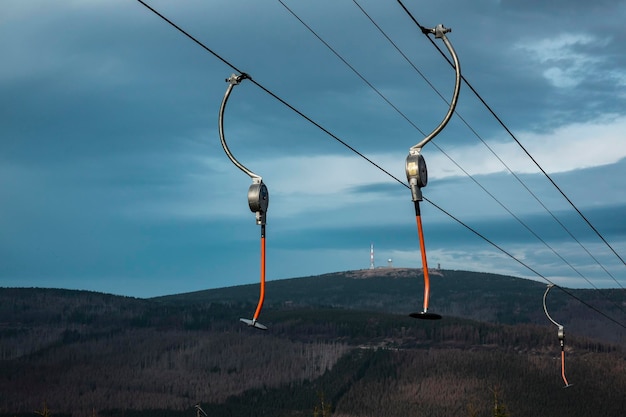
x: 370, y: 85
x: 518, y: 142
x: 519, y: 180
x: 378, y: 166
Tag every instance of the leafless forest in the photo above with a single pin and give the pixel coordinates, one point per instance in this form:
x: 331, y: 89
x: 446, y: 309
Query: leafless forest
x: 83, y: 353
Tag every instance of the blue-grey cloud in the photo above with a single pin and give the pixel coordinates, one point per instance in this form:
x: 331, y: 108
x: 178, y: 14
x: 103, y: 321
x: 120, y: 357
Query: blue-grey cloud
x: 112, y: 176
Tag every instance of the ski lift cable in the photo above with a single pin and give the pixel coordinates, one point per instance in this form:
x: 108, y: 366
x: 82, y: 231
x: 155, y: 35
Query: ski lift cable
x: 452, y: 106
x: 531, y: 231
x: 571, y: 203
x: 525, y: 265
x: 369, y: 84
x: 370, y: 161
x: 493, y: 152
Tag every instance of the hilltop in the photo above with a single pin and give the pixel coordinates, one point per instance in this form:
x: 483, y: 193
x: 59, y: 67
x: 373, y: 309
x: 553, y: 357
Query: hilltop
x: 477, y: 296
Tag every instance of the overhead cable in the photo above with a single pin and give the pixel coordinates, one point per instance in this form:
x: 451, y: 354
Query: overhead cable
x: 519, y: 220
x: 370, y: 85
x: 493, y: 113
x: 504, y: 164
x: 354, y: 150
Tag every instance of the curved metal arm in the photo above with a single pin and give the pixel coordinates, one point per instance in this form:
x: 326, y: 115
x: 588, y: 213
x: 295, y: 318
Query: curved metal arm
x: 545, y: 309
x: 440, y: 32
x: 233, y: 81
x: 561, y: 335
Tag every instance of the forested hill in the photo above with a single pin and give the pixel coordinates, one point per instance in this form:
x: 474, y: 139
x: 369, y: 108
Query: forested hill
x: 478, y: 296
x: 341, y: 339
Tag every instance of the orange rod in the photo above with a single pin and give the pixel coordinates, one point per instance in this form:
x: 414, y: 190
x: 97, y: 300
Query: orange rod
x: 424, y: 264
x: 563, y: 367
x: 262, y: 295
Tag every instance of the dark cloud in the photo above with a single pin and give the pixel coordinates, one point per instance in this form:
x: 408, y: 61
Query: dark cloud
x: 112, y: 174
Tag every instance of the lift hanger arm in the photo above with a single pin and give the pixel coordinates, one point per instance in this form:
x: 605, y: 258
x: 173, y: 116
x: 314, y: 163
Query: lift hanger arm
x: 545, y: 308
x: 233, y: 80
x: 440, y: 32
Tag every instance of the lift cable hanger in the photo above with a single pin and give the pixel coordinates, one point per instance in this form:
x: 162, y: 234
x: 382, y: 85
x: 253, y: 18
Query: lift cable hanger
x: 258, y: 197
x: 416, y: 171
x: 561, y: 335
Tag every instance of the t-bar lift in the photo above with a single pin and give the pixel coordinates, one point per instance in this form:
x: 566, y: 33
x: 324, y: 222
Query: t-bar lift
x: 561, y: 335
x: 416, y: 171
x: 258, y: 198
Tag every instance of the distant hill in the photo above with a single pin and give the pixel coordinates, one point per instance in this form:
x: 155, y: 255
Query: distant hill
x: 344, y: 339
x: 473, y: 295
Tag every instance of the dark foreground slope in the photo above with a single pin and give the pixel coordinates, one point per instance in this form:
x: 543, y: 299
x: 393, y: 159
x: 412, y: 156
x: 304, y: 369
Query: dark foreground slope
x: 84, y: 353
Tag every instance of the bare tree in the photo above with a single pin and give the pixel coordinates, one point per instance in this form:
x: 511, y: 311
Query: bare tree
x: 499, y: 410
x: 323, y: 409
x: 44, y: 412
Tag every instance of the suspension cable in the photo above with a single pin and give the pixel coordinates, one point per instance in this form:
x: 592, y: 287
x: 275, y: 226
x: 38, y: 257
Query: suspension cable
x: 519, y: 180
x: 493, y: 113
x: 354, y: 150
x: 517, y: 218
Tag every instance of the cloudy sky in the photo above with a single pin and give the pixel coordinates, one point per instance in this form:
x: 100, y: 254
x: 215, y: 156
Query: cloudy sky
x: 112, y: 176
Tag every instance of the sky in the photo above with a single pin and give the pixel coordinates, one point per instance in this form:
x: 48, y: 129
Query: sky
x: 113, y: 179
